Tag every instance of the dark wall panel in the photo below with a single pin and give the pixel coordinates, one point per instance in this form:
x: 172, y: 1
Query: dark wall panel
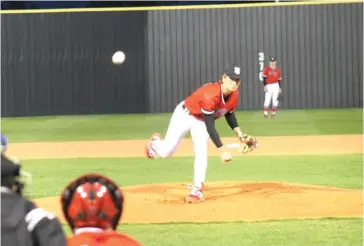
x: 318, y: 47
x: 61, y: 63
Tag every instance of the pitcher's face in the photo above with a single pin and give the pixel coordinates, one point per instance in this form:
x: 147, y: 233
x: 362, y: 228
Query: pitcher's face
x: 230, y: 84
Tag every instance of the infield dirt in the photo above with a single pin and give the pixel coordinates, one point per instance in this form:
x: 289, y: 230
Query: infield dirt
x: 225, y: 201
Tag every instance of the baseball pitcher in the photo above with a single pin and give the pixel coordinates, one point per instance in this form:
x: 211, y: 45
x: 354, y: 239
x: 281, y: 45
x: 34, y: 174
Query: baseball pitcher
x: 272, y: 86
x: 197, y: 114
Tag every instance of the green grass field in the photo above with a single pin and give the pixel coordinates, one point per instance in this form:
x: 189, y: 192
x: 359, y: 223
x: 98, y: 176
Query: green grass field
x: 343, y: 171
x: 340, y: 171
x: 101, y: 127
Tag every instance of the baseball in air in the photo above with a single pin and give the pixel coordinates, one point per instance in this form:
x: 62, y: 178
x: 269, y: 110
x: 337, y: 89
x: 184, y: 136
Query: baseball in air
x: 118, y: 57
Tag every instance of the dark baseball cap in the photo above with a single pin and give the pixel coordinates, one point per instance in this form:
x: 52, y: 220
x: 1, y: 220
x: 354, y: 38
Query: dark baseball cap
x: 9, y: 167
x: 273, y: 59
x: 234, y: 72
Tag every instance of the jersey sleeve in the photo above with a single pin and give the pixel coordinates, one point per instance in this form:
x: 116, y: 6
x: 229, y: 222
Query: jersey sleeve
x: 279, y: 75
x: 44, y: 226
x: 265, y: 72
x: 207, y: 104
x: 232, y: 109
x: 235, y: 101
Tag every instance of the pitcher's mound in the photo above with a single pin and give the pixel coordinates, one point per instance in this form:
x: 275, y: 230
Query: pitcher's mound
x: 232, y: 201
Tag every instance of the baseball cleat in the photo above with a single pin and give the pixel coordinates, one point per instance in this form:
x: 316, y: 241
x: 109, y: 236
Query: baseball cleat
x: 265, y: 116
x: 196, y: 194
x: 273, y: 116
x: 193, y: 198
x: 149, y: 151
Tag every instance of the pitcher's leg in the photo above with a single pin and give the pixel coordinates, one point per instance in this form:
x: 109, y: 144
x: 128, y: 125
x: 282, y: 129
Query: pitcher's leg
x: 200, y: 162
x: 177, y: 129
x: 200, y: 143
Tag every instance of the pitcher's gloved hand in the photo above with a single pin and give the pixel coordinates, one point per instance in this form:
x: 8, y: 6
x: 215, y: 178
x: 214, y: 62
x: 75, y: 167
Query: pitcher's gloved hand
x: 248, y: 143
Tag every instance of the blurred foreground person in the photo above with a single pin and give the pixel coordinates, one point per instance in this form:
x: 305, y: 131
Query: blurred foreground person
x: 4, y: 143
x: 92, y: 205
x: 22, y: 222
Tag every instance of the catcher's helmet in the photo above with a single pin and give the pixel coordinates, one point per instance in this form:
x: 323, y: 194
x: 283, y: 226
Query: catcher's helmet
x: 92, y: 200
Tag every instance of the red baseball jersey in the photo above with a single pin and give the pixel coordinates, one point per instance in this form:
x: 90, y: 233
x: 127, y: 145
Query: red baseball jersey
x: 105, y: 238
x: 209, y: 99
x: 272, y: 75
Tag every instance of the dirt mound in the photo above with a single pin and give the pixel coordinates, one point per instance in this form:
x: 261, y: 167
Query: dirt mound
x: 224, y: 201
x: 232, y: 201
x: 280, y: 145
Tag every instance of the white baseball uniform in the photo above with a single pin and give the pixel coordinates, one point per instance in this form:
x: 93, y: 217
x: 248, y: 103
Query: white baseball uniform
x: 187, y: 116
x: 272, y: 78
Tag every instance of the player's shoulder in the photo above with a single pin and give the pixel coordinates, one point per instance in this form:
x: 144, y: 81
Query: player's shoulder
x: 80, y: 239
x: 236, y: 93
x: 211, y: 86
x: 109, y: 238
x: 234, y: 97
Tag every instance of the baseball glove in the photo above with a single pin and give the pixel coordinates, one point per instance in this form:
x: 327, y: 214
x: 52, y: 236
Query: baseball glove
x: 248, y: 143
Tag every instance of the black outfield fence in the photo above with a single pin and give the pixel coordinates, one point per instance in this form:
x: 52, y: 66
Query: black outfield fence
x: 60, y: 63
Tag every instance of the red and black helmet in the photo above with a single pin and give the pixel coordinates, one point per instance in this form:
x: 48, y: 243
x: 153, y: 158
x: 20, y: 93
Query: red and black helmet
x: 92, y: 200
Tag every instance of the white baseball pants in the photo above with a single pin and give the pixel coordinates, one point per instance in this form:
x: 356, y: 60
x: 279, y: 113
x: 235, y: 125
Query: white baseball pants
x: 180, y: 123
x: 271, y: 95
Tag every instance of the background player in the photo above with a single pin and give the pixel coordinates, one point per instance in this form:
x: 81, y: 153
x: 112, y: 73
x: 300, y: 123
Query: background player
x: 4, y: 143
x: 22, y: 221
x: 92, y: 205
x: 272, y: 86
x: 197, y: 114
